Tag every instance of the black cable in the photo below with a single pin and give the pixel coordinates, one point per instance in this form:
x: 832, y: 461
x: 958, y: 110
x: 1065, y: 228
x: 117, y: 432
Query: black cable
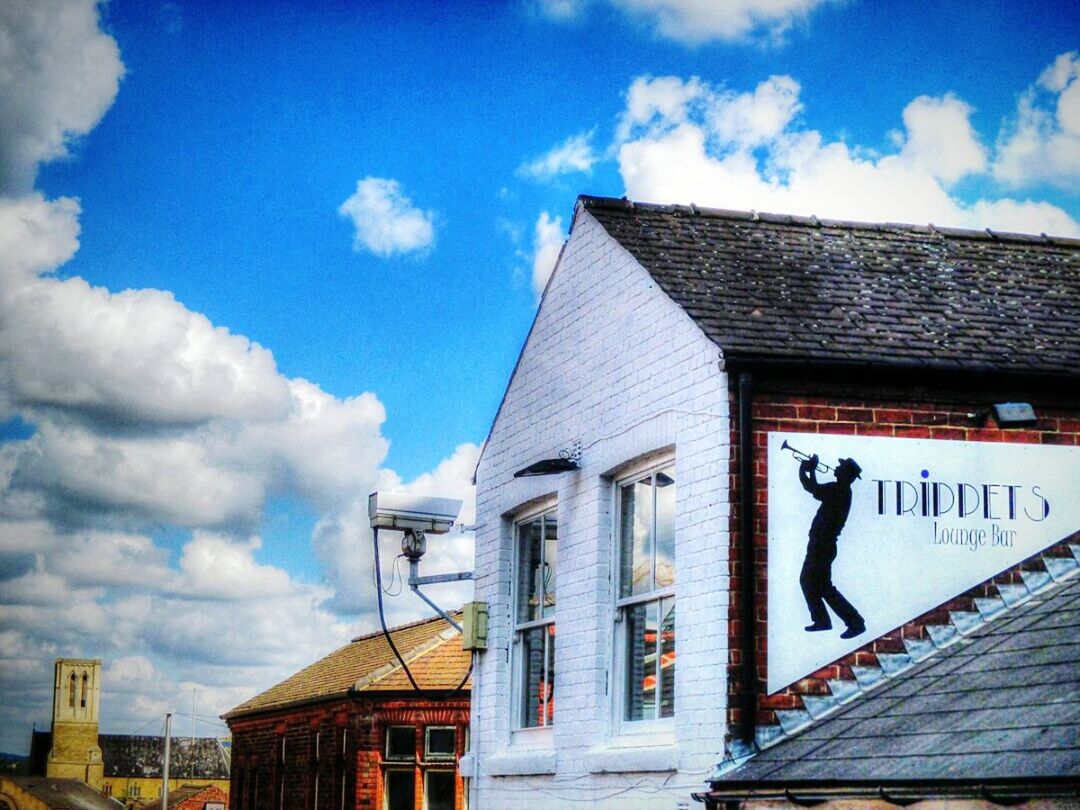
x: 390, y: 640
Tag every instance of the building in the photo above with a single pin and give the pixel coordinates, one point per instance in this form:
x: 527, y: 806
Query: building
x: 43, y: 793
x: 124, y: 766
x: 350, y: 731
x: 655, y: 449
x: 194, y: 797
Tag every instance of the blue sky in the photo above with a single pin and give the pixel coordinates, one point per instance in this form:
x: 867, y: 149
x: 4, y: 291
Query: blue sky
x: 374, y: 193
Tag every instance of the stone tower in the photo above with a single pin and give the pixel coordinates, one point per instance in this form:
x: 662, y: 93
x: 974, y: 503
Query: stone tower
x: 75, y: 752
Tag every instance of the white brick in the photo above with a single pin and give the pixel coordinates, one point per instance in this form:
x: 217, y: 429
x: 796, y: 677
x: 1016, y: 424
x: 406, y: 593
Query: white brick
x: 616, y: 365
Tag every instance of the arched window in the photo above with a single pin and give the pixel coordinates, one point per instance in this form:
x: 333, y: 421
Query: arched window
x: 85, y: 683
x: 71, y: 691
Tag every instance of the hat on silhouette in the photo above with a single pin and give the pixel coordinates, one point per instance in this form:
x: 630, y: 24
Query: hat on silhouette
x: 849, y: 465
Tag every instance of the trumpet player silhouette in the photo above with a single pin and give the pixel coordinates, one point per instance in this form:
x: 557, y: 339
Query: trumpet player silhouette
x: 816, y: 575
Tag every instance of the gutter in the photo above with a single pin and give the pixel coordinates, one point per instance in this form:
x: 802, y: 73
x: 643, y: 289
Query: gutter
x: 1002, y: 791
x: 748, y: 637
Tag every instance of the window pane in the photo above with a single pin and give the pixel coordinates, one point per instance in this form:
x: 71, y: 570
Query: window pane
x: 440, y: 790
x: 400, y: 788
x: 667, y: 658
x: 640, y: 661
x: 551, y: 557
x: 532, y: 682
x: 635, y: 537
x: 547, y: 694
x: 441, y: 741
x: 529, y: 539
x: 665, y: 527
x: 400, y: 742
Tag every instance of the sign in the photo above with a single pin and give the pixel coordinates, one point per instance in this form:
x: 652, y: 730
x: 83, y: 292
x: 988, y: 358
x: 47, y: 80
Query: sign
x: 895, y: 528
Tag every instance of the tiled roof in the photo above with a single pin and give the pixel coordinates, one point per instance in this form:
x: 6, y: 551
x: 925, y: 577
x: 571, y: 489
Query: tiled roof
x: 187, y: 792
x: 141, y: 756
x: 431, y: 648
x: 802, y: 290
x: 1000, y: 704
x: 62, y: 794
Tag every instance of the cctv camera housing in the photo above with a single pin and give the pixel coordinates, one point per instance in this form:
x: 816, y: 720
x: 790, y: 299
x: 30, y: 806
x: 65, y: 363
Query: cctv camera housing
x: 401, y: 511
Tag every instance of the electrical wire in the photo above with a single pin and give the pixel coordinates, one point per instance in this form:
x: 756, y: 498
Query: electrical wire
x: 389, y: 639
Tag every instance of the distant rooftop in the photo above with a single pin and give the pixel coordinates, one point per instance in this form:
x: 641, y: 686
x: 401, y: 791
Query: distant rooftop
x: 769, y: 288
x: 431, y: 648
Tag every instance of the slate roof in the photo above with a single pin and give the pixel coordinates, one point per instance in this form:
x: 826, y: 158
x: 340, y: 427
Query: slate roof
x: 1002, y: 704
x: 798, y: 290
x: 431, y: 648
x: 133, y: 755
x: 63, y: 794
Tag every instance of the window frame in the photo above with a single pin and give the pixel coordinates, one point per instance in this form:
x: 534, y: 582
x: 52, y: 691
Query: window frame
x: 429, y: 755
x: 549, y: 507
x: 621, y: 605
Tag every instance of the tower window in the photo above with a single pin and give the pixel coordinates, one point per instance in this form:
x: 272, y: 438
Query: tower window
x: 85, y: 682
x: 71, y: 691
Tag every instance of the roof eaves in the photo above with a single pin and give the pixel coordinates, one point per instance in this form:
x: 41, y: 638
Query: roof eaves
x: 1003, y: 790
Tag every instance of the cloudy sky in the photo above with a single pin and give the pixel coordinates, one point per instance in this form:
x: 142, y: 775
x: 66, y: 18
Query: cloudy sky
x: 258, y: 259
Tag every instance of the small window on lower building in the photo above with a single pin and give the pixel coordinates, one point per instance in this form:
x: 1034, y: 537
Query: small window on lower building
x: 439, y: 790
x: 400, y: 742
x: 400, y: 790
x: 440, y: 742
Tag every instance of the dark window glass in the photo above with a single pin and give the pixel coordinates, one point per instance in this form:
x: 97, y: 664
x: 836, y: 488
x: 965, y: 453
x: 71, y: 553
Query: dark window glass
x: 440, y: 790
x: 400, y: 742
x: 441, y: 742
x: 400, y: 790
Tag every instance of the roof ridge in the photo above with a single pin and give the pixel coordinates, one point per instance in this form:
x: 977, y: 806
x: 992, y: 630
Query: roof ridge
x: 398, y: 628
x: 414, y: 653
x: 813, y: 221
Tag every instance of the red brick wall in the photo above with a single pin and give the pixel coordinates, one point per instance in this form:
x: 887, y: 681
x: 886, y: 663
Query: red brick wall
x: 880, y: 414
x: 310, y: 757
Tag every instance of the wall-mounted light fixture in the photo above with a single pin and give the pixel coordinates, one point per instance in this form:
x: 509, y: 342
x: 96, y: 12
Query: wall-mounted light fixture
x: 1014, y: 414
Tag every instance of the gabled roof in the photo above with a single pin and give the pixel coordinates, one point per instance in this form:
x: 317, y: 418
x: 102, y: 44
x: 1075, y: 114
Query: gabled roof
x: 1002, y: 704
x: 431, y: 648
x: 61, y: 794
x: 133, y: 755
x: 795, y: 290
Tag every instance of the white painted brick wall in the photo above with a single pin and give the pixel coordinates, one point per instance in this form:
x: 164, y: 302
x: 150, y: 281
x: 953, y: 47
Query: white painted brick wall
x: 612, y: 363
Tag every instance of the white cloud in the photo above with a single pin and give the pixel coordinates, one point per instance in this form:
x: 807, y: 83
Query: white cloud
x: 685, y: 141
x: 694, y: 22
x: 386, y: 221
x: 940, y: 139
x: 575, y: 154
x: 548, y: 240
x: 1042, y: 144
x: 748, y: 120
x: 59, y: 73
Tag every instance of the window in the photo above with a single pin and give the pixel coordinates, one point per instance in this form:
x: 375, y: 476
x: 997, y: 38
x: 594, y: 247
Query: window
x: 85, y: 682
x: 439, y: 790
x: 537, y: 548
x: 440, y: 742
x: 646, y: 594
x: 72, y: 691
x: 401, y: 743
x: 400, y: 787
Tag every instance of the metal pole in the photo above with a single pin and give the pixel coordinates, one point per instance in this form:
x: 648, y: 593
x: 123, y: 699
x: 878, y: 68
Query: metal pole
x: 165, y: 764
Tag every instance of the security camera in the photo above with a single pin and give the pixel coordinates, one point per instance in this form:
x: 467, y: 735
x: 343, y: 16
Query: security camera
x: 416, y: 513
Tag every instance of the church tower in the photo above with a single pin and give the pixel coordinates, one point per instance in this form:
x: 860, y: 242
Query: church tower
x: 75, y: 752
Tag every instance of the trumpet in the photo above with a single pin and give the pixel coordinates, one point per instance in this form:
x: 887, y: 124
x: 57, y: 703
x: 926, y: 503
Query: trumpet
x: 822, y: 467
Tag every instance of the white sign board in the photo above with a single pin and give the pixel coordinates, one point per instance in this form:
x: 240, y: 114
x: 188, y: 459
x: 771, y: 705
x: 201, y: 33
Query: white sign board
x: 928, y: 519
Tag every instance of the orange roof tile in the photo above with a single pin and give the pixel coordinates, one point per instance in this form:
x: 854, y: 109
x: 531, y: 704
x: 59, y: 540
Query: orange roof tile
x: 430, y: 647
